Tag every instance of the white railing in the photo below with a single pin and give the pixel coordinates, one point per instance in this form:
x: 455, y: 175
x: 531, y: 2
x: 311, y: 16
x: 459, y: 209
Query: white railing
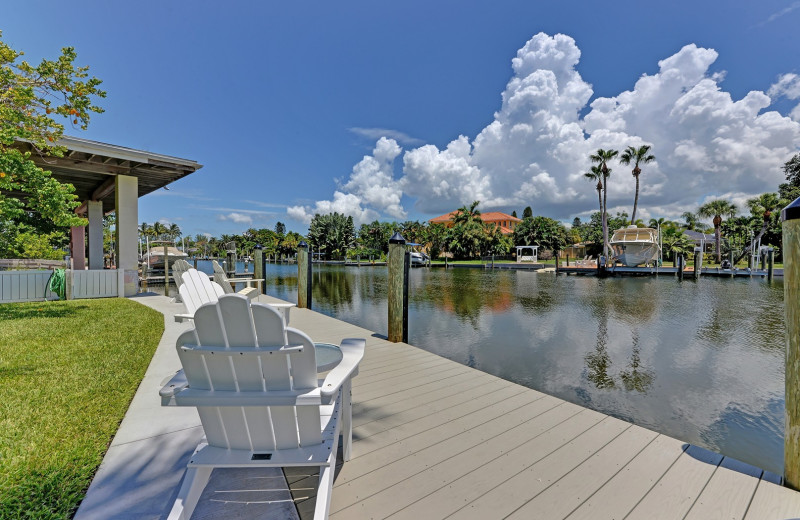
x: 25, y: 286
x: 98, y: 283
x: 30, y: 285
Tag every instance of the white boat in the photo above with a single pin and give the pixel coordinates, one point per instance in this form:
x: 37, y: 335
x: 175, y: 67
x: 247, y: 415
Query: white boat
x: 634, y: 246
x: 155, y: 258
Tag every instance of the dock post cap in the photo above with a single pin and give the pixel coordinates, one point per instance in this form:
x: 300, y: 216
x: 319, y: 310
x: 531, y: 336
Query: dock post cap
x: 302, y: 244
x: 792, y: 211
x: 397, y: 238
x: 258, y: 246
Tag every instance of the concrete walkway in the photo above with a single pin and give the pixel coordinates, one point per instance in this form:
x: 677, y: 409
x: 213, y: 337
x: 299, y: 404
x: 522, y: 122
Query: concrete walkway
x: 436, y: 439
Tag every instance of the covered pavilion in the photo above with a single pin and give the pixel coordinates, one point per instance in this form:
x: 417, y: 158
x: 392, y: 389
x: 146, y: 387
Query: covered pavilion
x: 110, y: 178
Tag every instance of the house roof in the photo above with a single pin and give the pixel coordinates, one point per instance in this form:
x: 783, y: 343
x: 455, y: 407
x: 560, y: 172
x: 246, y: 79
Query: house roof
x: 490, y: 216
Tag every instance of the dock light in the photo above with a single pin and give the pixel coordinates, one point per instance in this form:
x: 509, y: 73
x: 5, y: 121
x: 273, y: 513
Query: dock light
x: 302, y: 244
x: 258, y: 246
x: 397, y: 238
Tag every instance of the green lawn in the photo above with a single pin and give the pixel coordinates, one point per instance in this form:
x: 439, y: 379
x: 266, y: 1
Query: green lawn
x: 68, y: 371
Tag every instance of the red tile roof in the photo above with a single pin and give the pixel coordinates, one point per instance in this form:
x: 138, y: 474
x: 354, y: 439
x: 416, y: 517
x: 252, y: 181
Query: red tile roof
x: 494, y: 217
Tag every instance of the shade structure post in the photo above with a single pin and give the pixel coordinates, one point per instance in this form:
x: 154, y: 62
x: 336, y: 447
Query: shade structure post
x: 398, y: 289
x: 166, y: 270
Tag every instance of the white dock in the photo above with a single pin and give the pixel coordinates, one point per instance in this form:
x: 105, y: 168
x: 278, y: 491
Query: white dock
x: 436, y: 439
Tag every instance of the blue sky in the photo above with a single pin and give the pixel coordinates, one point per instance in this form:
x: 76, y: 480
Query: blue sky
x: 410, y: 109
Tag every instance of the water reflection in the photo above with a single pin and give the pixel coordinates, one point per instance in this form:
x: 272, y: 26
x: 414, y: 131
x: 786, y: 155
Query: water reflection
x: 699, y: 361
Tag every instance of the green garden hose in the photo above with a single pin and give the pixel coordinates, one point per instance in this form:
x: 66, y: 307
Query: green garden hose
x: 58, y: 283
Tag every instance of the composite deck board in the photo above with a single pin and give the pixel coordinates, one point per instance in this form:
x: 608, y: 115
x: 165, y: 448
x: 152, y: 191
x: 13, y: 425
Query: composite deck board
x: 446, y: 414
x: 391, y: 447
x: 677, y: 490
x: 617, y: 497
x: 436, y: 439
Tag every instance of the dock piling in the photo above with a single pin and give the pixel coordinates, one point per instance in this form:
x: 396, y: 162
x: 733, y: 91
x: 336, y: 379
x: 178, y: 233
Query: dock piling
x: 398, y: 289
x: 770, y: 263
x: 303, y: 277
x: 790, y: 218
x: 698, y: 259
x: 166, y: 271
x: 258, y: 264
x: 681, y: 263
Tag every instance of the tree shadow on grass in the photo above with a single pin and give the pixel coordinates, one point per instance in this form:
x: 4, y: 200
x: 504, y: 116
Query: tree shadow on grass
x: 43, y: 310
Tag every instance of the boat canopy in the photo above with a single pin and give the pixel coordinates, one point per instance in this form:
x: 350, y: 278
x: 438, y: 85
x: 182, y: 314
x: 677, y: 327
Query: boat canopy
x: 635, y: 234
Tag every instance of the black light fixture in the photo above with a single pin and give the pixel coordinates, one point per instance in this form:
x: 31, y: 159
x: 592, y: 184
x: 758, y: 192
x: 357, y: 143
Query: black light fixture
x: 397, y: 238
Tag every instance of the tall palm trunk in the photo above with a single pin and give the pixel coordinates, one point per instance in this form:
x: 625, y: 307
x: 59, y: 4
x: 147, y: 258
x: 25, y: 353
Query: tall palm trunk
x: 606, y: 247
x: 718, y: 239
x: 635, y: 198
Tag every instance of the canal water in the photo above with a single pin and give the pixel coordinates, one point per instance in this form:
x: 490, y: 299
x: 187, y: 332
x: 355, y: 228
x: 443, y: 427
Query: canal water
x: 699, y: 361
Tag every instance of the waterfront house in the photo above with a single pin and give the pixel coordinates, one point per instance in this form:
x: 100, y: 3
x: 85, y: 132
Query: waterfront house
x: 504, y: 221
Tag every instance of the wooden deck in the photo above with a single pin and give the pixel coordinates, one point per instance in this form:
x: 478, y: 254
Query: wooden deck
x: 436, y: 439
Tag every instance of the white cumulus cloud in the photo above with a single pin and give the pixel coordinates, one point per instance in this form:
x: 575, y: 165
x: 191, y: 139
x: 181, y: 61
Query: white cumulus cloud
x: 536, y: 149
x: 239, y: 218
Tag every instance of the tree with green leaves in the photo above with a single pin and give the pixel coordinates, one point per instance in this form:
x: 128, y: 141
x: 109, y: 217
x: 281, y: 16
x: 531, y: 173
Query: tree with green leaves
x: 674, y: 243
x: 527, y: 212
x: 333, y: 234
x: 715, y: 209
x: 31, y: 200
x: 544, y: 232
x: 601, y: 158
x: 791, y: 190
x: 637, y: 156
x: 596, y: 174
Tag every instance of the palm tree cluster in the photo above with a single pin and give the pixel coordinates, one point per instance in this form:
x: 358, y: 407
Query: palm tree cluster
x: 160, y: 231
x: 602, y: 171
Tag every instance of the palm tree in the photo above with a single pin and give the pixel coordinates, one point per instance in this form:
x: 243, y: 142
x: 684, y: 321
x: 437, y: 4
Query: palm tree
x: 638, y: 156
x: 601, y: 157
x: 174, y: 231
x: 596, y: 174
x: 160, y: 230
x: 691, y: 220
x: 716, y: 208
x: 763, y: 206
x: 466, y: 214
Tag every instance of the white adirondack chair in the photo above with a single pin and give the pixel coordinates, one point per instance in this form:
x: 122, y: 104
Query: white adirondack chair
x: 222, y: 279
x: 197, y: 290
x: 179, y: 267
x: 255, y: 386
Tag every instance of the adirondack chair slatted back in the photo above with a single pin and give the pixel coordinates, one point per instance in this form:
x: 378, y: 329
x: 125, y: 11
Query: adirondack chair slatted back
x: 221, y: 278
x: 197, y: 289
x: 233, y: 322
x: 178, y: 268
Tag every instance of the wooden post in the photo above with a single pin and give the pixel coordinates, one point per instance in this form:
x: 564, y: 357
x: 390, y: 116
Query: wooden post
x: 397, y: 283
x: 680, y: 266
x: 303, y: 277
x: 258, y: 264
x: 790, y: 216
x: 733, y: 267
x: 770, y: 263
x: 166, y: 270
x: 195, y: 262
x: 698, y: 257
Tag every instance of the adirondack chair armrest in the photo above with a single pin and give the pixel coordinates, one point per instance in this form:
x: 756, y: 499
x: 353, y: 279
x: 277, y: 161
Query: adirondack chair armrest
x: 187, y: 396
x: 352, y: 353
x: 174, y: 385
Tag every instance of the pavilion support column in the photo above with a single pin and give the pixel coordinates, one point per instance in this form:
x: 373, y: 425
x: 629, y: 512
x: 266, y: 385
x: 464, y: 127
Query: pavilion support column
x: 127, y: 212
x: 95, y: 210
x: 77, y: 243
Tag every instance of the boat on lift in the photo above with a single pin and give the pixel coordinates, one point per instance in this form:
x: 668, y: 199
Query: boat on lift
x: 634, y: 246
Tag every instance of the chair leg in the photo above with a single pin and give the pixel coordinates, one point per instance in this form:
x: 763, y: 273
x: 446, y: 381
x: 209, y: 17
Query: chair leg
x: 347, y: 419
x: 194, y: 481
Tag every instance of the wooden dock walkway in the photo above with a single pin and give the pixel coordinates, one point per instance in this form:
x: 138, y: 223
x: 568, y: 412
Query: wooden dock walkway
x: 436, y: 439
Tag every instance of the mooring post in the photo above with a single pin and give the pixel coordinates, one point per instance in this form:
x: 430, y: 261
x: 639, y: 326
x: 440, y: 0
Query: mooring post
x: 698, y: 258
x: 166, y: 271
x: 195, y: 262
x: 733, y: 267
x: 790, y: 217
x: 770, y: 263
x: 258, y: 263
x: 398, y: 288
x: 679, y: 259
x: 303, y: 278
